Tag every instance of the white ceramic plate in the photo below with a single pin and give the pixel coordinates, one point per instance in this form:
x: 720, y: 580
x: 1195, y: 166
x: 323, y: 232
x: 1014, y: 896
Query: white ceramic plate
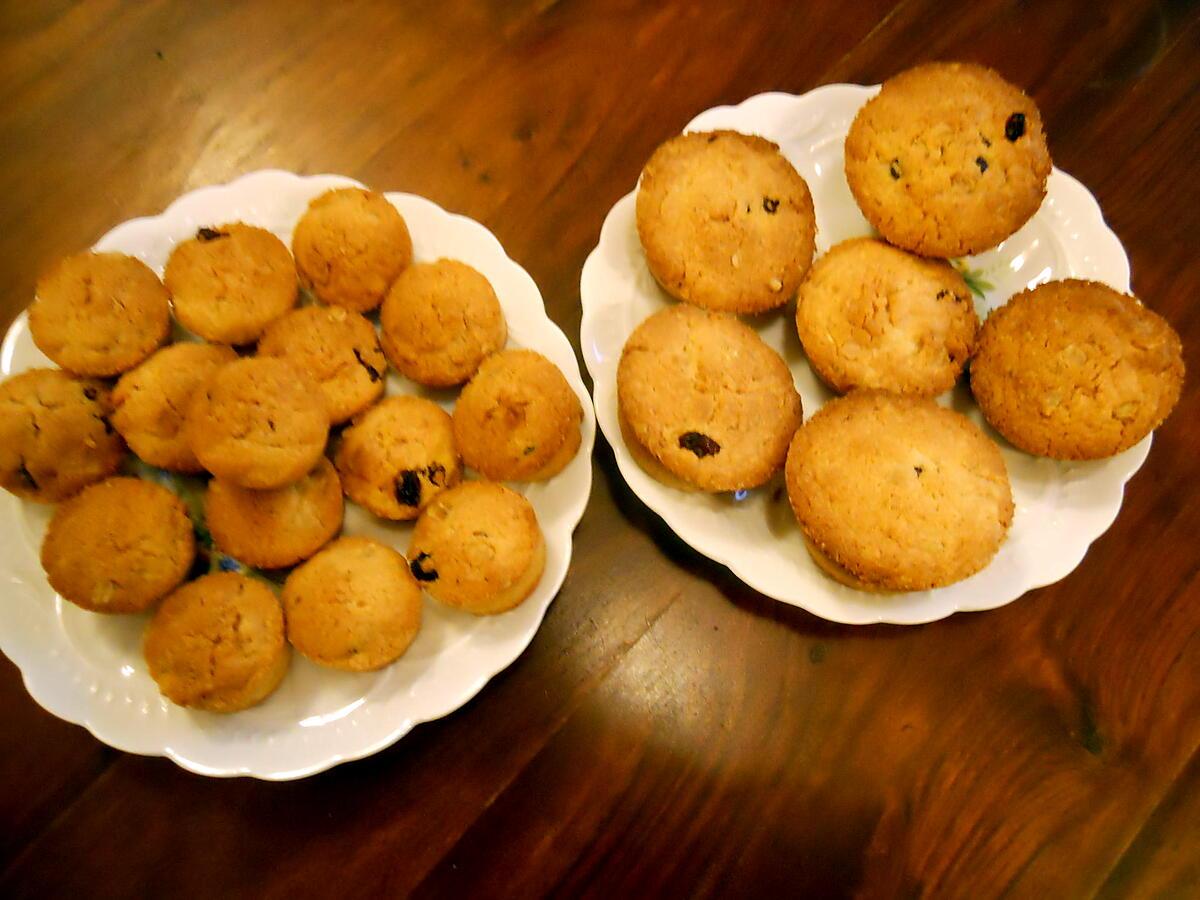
x: 88, y: 668
x: 1061, y: 507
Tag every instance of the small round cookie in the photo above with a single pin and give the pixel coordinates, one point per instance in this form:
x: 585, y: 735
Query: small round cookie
x: 397, y: 456
x: 119, y: 546
x: 336, y: 348
x: 353, y: 606
x: 707, y: 398
x: 150, y: 401
x: 439, y: 321
x: 517, y: 419
x: 872, y: 316
x: 478, y: 548
x: 277, y: 528
x: 230, y: 281
x: 948, y: 159
x: 99, y: 314
x: 896, y: 493
x: 55, y: 437
x: 726, y: 222
x: 257, y: 422
x: 350, y: 245
x: 218, y: 644
x: 1075, y: 370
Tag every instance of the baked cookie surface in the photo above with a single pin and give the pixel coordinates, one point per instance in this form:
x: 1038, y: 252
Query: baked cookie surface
x: 99, y: 314
x: 872, y: 316
x: 1075, y: 370
x: 899, y: 492
x: 725, y: 221
x: 439, y: 321
x: 55, y: 435
x: 118, y: 546
x: 948, y: 159
x: 706, y: 397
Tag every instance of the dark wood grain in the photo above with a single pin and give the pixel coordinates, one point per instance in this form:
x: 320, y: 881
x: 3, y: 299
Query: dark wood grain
x: 669, y: 731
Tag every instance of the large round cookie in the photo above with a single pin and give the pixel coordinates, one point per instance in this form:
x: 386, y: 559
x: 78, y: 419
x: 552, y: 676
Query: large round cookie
x: 948, y: 159
x: 1075, y: 370
x: 336, y: 348
x: 257, y: 422
x: 119, y: 546
x: 707, y: 398
x: 99, y: 314
x: 350, y: 245
x: 725, y: 220
x: 150, y: 401
x: 898, y: 493
x: 872, y: 316
x: 229, y: 281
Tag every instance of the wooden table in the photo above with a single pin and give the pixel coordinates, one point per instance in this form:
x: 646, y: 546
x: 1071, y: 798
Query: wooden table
x: 669, y: 731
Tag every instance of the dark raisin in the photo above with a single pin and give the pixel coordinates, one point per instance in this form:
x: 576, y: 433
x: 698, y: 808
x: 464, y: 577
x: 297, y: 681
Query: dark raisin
x: 408, y: 488
x: 918, y: 470
x: 894, y: 169
x: 983, y: 137
x: 528, y: 450
x: 700, y: 444
x: 419, y: 571
x: 982, y: 163
x: 271, y: 424
x: 1015, y: 126
x: 26, y: 477
x: 209, y: 234
x: 435, y: 472
x: 711, y: 138
x: 372, y: 372
x: 91, y: 393
x: 770, y: 204
x: 942, y: 293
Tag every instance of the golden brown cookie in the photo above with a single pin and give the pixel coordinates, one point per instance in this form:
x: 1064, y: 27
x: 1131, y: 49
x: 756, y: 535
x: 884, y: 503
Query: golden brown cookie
x: 119, y: 546
x: 902, y: 494
x: 276, y: 528
x: 258, y: 422
x: 150, y: 401
x: 99, y: 314
x: 230, y: 281
x: 872, y: 316
x: 948, y: 159
x: 54, y: 435
x: 397, y: 456
x: 1075, y: 370
x: 726, y: 222
x: 336, y: 348
x: 350, y: 245
x: 218, y: 644
x: 707, y: 398
x: 439, y: 321
x: 478, y: 548
x: 353, y: 606
x: 518, y: 419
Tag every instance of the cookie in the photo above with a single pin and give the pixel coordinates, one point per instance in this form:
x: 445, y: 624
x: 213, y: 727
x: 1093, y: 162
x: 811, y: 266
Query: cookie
x: 336, y: 348
x: 1075, y: 370
x: 397, y: 456
x: 478, y: 548
x: 276, y: 528
x: 707, y: 398
x: 55, y: 436
x: 350, y: 245
x: 518, y: 419
x: 439, y: 321
x: 898, y: 493
x: 119, y: 546
x: 948, y: 159
x: 218, y: 644
x: 230, y: 281
x: 353, y: 606
x: 258, y: 423
x: 725, y: 221
x: 150, y: 401
x: 872, y: 316
x: 99, y: 314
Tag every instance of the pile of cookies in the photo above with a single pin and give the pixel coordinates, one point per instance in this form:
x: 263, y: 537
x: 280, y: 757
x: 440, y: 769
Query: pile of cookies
x: 892, y: 491
x: 281, y: 407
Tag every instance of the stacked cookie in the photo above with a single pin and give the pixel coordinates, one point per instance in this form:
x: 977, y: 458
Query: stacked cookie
x: 256, y: 406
